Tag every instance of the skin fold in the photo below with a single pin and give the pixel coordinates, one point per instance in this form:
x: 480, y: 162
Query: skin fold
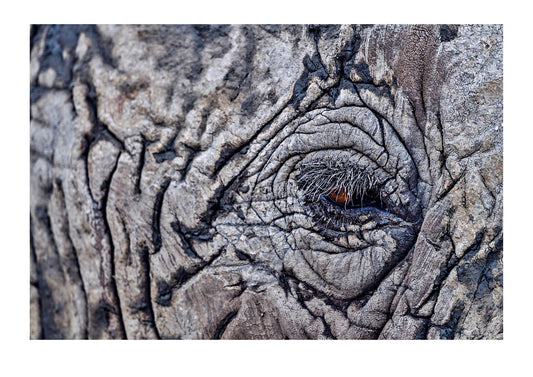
x: 267, y: 182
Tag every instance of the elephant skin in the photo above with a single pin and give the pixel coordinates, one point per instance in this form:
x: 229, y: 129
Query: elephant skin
x: 267, y: 182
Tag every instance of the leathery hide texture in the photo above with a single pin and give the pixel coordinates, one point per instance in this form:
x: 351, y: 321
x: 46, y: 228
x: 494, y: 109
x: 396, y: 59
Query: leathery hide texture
x: 266, y: 182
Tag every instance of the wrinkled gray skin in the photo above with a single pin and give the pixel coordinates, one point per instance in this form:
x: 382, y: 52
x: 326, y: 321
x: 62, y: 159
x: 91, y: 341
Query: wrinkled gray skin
x: 179, y: 177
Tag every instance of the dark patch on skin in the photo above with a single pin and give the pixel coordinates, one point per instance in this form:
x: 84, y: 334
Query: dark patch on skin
x: 164, y: 293
x: 103, y: 45
x: 203, y: 122
x: 493, y: 260
x: 448, y: 32
x: 61, y: 38
x: 130, y: 89
x: 484, y: 287
x: 168, y: 152
x: 327, y: 329
x: 304, y: 292
x: 272, y: 97
x: 100, y: 319
x: 226, y: 202
x: 203, y: 232
x: 480, y: 272
x: 345, y: 59
x: 188, y: 104
x: 169, y: 93
x: 313, y: 66
x: 36, y: 32
x: 207, y: 33
x: 283, y: 280
x: 250, y: 105
x: 468, y: 271
x: 325, y: 31
x: 379, y: 90
x: 57, y: 39
x: 363, y: 71
x: 36, y: 92
x: 241, y: 255
x: 194, y: 72
x: 233, y: 80
x: 344, y: 84
x: 42, y: 215
x: 422, y: 331
x: 448, y: 330
x: 499, y: 244
x: 316, y: 66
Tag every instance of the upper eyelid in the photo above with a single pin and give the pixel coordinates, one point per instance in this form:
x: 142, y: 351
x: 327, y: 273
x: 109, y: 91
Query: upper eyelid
x: 328, y: 173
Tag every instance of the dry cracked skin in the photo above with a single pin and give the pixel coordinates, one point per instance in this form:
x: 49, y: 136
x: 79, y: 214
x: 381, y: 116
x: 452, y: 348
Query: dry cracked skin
x: 266, y: 182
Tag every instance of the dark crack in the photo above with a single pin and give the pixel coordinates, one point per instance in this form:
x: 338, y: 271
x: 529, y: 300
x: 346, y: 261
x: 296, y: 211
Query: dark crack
x: 223, y: 325
x: 156, y: 217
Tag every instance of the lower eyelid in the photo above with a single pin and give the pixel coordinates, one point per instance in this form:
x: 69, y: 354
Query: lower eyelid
x: 340, y: 206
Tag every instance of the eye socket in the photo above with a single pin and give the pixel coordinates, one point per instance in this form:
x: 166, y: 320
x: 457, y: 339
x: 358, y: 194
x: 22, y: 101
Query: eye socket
x: 344, y: 198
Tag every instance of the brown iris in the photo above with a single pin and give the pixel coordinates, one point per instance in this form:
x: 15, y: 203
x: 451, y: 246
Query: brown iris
x: 340, y: 196
x: 347, y: 199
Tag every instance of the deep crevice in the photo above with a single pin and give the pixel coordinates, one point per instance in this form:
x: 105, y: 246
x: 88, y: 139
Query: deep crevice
x: 156, y: 217
x: 147, y: 296
x: 223, y: 325
x: 168, y: 152
x: 140, y: 167
x: 59, y: 186
x: 193, y: 151
x: 183, y: 234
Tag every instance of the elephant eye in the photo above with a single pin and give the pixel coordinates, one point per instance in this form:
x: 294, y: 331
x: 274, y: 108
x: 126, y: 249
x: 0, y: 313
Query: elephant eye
x: 338, y: 191
x: 356, y: 199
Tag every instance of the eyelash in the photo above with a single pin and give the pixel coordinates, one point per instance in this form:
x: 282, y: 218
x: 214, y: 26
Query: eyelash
x: 351, y: 200
x: 331, y: 216
x: 331, y: 188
